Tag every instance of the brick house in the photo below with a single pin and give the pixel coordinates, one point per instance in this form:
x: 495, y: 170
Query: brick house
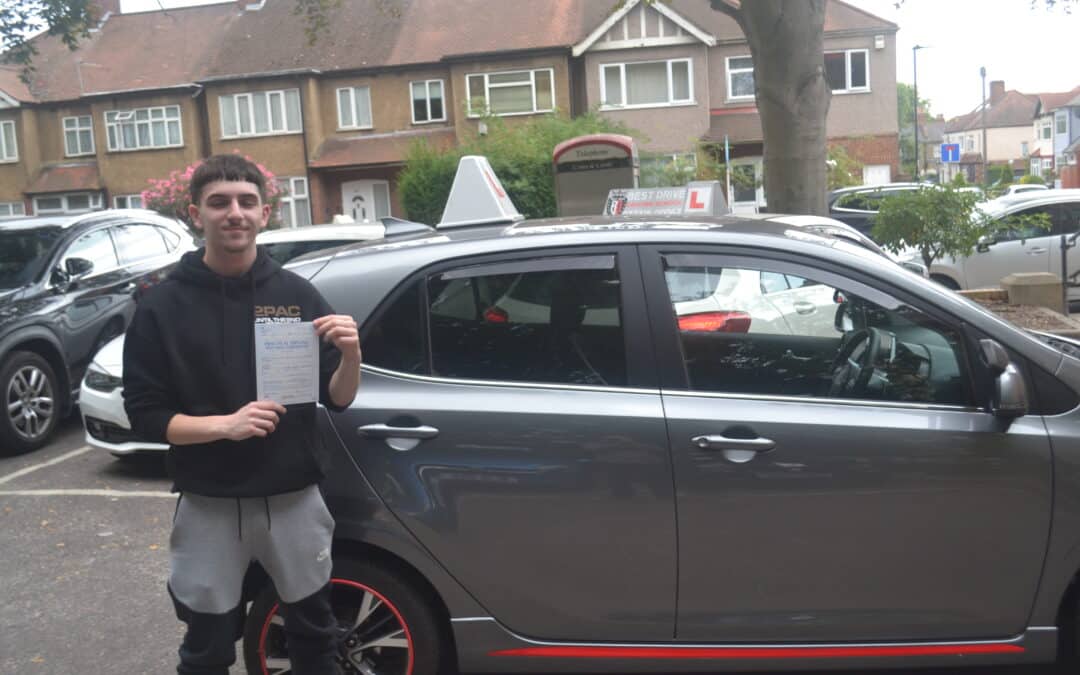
x: 150, y: 92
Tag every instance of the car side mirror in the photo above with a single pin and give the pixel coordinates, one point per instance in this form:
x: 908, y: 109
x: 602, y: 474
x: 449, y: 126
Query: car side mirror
x: 985, y: 242
x: 77, y: 267
x: 1010, y: 392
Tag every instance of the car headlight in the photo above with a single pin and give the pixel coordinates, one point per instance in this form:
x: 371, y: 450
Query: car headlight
x: 99, y: 380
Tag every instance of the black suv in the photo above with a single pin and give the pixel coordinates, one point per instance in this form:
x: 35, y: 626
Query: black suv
x: 858, y: 205
x: 68, y: 284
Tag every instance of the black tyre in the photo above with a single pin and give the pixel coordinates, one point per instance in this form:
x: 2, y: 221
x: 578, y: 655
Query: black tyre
x: 945, y: 281
x: 32, y: 403
x: 396, y: 635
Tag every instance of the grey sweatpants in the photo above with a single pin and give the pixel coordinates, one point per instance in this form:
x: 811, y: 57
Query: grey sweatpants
x: 215, y: 538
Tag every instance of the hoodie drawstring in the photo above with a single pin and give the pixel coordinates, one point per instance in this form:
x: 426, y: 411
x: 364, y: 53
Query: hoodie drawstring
x: 239, y: 521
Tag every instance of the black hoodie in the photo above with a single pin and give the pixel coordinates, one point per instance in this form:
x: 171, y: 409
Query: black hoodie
x: 190, y: 349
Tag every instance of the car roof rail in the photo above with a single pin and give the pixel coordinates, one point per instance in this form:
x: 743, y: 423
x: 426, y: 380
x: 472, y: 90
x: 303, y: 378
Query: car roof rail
x: 399, y: 227
x: 477, y: 197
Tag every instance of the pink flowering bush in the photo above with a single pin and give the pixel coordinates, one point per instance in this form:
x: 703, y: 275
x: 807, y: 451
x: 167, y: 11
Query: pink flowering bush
x: 171, y: 196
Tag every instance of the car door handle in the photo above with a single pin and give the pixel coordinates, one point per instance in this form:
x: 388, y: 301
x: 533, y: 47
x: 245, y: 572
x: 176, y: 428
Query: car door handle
x: 385, y: 431
x: 804, y: 307
x: 735, y: 450
x: 1036, y: 251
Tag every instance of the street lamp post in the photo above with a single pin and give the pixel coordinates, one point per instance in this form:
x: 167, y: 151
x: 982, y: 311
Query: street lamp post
x: 915, y: 87
x: 985, y: 150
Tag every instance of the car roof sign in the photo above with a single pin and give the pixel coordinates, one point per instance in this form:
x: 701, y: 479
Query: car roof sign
x: 477, y: 197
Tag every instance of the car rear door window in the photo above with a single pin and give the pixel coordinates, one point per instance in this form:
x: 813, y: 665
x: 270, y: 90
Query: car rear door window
x: 137, y: 242
x: 555, y: 320
x: 746, y: 330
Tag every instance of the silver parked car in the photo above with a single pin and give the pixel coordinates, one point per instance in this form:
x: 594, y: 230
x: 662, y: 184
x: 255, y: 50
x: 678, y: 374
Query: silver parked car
x: 1024, y: 249
x: 601, y: 486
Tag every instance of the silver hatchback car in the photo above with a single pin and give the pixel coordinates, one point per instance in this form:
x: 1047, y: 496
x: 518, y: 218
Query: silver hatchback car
x: 605, y: 485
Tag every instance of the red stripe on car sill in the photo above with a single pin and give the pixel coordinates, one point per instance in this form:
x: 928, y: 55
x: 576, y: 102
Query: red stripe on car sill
x: 759, y: 652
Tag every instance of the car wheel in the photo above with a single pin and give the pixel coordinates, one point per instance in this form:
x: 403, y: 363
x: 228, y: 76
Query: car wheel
x: 31, y: 403
x: 386, y: 627
x: 945, y: 281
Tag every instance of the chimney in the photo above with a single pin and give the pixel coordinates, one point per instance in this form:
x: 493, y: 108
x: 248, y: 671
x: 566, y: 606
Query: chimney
x: 997, y: 91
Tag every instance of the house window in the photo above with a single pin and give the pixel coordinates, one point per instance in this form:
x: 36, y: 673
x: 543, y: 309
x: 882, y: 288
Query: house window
x: 354, y: 108
x: 77, y: 202
x: 9, y: 149
x: 260, y: 113
x: 646, y: 84
x: 427, y: 101
x: 668, y: 169
x: 520, y: 92
x: 848, y: 71
x: 12, y: 209
x: 295, y: 209
x: 969, y: 143
x: 740, y: 78
x: 78, y: 136
x: 1047, y: 164
x: 1024, y: 149
x: 143, y: 128
x: 1045, y: 131
x: 1060, y: 120
x: 127, y: 202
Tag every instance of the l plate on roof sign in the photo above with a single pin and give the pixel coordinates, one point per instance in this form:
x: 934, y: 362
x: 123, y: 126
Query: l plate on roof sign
x: 702, y: 198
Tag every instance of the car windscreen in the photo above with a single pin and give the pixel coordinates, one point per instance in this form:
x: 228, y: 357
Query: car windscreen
x: 284, y: 251
x: 23, y: 253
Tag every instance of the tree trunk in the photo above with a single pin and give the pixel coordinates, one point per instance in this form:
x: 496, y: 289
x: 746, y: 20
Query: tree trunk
x: 786, y: 41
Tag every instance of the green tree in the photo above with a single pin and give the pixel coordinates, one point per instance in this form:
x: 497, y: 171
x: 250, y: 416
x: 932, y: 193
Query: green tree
x: 905, y: 113
x: 941, y: 221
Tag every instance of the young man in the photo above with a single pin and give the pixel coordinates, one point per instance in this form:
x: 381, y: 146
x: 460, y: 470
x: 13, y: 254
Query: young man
x: 246, y: 470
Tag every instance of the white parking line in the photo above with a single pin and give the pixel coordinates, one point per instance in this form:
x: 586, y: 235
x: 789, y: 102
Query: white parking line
x: 35, y: 467
x: 77, y: 492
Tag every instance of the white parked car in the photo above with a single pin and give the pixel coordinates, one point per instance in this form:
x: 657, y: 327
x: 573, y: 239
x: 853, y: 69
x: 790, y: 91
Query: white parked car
x: 1021, y: 188
x: 101, y: 396
x: 1025, y: 249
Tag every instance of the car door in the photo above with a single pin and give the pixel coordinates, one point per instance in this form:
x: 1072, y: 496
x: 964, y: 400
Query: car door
x: 1024, y: 249
x: 145, y: 254
x: 1067, y: 223
x: 526, y: 447
x: 814, y: 505
x: 92, y: 300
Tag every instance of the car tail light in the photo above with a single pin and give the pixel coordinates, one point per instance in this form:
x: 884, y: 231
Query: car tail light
x: 721, y: 322
x: 496, y: 315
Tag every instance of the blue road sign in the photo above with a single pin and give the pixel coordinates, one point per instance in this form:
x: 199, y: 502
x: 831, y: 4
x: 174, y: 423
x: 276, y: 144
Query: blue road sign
x: 950, y: 152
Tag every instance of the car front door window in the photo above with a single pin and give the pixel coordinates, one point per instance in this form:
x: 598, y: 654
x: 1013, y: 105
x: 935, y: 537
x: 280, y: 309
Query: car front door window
x: 138, y: 242
x: 95, y: 246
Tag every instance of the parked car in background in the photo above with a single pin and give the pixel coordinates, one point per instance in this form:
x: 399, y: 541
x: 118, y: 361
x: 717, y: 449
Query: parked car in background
x: 857, y: 206
x: 287, y: 243
x: 101, y: 394
x: 68, y: 285
x: 1022, y: 249
x: 1019, y: 188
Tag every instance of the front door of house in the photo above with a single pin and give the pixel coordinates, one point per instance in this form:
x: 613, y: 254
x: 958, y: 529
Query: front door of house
x: 365, y: 200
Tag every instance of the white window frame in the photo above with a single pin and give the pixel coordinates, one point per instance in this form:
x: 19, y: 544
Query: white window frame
x: 671, y: 100
x: 295, y: 197
x: 730, y: 71
x: 121, y: 118
x: 1061, y: 123
x: 848, y: 89
x: 1046, y: 129
x: 77, y: 124
x: 247, y: 99
x: 94, y: 201
x: 12, y: 210
x: 1024, y: 149
x: 427, y: 100
x: 1047, y: 164
x: 488, y: 86
x: 124, y: 201
x: 352, y: 108
x: 8, y: 154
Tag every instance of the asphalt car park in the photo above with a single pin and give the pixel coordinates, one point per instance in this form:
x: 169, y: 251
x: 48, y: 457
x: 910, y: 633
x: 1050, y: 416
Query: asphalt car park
x: 84, y: 554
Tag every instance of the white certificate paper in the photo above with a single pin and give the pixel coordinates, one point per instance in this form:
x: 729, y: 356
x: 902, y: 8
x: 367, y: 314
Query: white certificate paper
x: 286, y: 362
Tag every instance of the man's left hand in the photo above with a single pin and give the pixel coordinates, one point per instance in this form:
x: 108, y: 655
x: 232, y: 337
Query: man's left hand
x: 340, y: 329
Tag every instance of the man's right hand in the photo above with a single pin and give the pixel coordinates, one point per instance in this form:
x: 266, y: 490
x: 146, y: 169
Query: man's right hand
x: 258, y: 418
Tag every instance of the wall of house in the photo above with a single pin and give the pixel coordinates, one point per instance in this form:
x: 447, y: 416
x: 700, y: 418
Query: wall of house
x: 128, y: 172
x: 879, y: 149
x: 391, y: 101
x: 663, y: 128
x: 282, y: 154
x: 467, y: 127
x: 872, y: 112
x: 1003, y: 143
x: 15, y: 176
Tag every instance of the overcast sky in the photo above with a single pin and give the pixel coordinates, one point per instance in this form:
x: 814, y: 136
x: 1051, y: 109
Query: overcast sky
x: 1033, y: 50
